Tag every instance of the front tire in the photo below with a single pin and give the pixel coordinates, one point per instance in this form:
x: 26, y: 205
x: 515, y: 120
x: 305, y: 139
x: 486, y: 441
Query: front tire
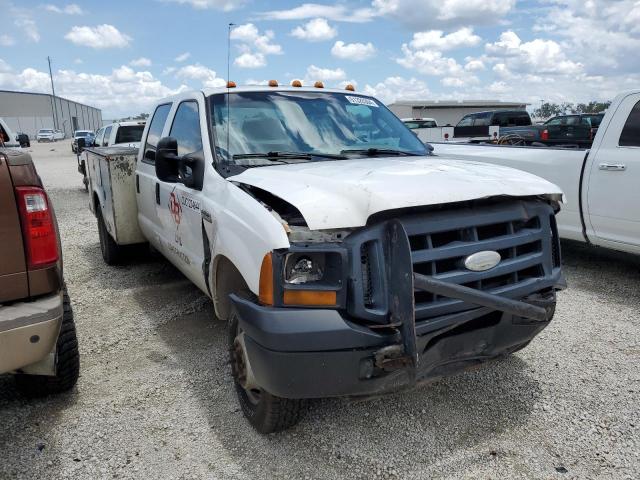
x: 67, y: 361
x: 267, y: 413
x: 111, y: 251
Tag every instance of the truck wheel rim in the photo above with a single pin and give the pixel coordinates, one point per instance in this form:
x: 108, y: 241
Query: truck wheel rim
x: 241, y: 371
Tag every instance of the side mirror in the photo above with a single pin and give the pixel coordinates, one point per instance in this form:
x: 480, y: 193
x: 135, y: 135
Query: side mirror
x: 81, y: 145
x: 167, y: 160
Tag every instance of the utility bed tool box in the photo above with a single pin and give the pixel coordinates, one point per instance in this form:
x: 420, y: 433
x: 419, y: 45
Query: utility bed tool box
x: 111, y: 172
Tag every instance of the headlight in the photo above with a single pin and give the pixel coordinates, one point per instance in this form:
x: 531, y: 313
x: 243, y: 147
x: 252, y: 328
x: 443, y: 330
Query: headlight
x: 304, y: 276
x: 303, y: 268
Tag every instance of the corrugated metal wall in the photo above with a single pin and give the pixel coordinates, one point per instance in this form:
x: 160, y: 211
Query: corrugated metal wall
x: 29, y: 112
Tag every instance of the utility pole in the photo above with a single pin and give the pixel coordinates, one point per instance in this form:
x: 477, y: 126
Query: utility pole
x: 53, y: 90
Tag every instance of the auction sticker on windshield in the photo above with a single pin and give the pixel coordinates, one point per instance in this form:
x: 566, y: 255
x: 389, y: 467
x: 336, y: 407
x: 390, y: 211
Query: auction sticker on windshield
x: 362, y: 101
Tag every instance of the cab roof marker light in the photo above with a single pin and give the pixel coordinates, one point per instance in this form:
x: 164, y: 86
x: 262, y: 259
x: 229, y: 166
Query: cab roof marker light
x: 231, y: 84
x: 296, y: 83
x: 273, y: 83
x: 350, y: 87
x: 318, y: 84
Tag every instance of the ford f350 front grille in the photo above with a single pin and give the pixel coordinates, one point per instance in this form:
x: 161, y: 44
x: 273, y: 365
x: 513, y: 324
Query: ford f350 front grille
x: 522, y: 232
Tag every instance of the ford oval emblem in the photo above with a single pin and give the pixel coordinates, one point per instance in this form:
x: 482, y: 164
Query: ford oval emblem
x: 481, y: 261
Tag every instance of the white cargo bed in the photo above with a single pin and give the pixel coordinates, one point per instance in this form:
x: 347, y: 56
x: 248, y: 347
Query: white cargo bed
x: 111, y: 172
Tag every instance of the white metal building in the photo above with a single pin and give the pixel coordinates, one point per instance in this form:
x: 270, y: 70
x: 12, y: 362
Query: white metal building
x: 27, y: 112
x: 449, y: 112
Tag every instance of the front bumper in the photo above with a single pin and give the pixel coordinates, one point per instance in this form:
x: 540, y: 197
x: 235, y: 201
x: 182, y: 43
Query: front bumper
x: 300, y: 353
x: 29, y: 331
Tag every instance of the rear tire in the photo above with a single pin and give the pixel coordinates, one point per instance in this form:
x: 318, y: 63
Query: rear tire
x: 67, y: 361
x: 111, y: 251
x: 265, y: 412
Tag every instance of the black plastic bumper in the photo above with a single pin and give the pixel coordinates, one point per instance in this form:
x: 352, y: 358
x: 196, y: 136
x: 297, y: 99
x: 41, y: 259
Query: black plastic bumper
x: 304, y: 353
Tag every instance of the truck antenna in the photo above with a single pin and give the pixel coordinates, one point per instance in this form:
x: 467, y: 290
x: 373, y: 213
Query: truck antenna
x: 53, y: 91
x: 228, y: 83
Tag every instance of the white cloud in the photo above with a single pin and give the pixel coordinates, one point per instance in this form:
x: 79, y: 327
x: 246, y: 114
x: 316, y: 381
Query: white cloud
x: 29, y: 28
x: 70, y: 9
x: 353, y: 51
x: 601, y: 34
x: 474, y: 65
x: 182, y: 57
x: 398, y: 88
x: 315, y: 30
x: 6, y: 41
x: 429, y: 62
x: 78, y: 61
x: 250, y: 60
x: 427, y: 14
x: 122, y: 92
x: 101, y: 36
x: 536, y: 56
x: 140, y: 62
x: 225, y: 5
x: 254, y: 45
x: 337, y: 13
x: 199, y: 72
x: 324, y: 74
x: 435, y: 39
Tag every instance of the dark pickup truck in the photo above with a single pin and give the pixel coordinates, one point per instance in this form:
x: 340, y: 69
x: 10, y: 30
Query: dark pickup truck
x: 476, y: 125
x: 564, y: 130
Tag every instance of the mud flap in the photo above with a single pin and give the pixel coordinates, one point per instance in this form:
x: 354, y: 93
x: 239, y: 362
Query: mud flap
x: 399, y: 268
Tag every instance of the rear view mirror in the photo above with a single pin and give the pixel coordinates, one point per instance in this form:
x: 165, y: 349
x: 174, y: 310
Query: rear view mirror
x: 167, y: 160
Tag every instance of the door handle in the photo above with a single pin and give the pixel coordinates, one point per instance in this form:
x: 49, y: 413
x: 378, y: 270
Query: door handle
x: 613, y: 167
x: 158, y: 193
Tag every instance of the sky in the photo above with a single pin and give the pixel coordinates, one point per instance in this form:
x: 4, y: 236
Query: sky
x: 122, y: 56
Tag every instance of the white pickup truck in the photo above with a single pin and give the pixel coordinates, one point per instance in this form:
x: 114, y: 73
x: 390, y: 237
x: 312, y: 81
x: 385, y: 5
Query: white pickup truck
x: 346, y: 259
x: 602, y: 185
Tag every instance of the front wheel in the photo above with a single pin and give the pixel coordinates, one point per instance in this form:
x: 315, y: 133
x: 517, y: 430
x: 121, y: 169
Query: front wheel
x: 265, y: 412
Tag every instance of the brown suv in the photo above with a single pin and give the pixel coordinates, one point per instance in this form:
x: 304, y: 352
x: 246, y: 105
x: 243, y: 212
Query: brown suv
x: 37, y: 333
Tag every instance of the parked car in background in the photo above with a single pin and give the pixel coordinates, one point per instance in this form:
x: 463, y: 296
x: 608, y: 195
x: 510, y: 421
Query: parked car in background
x: 7, y: 137
x: 344, y: 257
x: 564, y: 130
x: 415, y: 123
x: 59, y: 135
x: 45, y: 135
x: 37, y: 332
x: 126, y: 134
x: 476, y: 126
x: 602, y: 184
x: 88, y: 135
x: 23, y: 139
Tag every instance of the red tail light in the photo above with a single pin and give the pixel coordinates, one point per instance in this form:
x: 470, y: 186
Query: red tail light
x: 544, y: 135
x: 40, y: 239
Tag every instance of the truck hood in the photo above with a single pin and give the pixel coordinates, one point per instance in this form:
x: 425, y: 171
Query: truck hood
x: 345, y: 193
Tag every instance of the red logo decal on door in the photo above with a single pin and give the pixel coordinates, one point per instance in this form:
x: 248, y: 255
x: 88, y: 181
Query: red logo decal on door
x: 174, y: 208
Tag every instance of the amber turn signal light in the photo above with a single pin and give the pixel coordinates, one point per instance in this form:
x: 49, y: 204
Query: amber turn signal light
x: 265, y: 293
x: 310, y: 297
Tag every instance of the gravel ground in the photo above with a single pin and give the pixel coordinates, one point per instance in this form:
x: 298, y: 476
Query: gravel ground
x: 155, y: 399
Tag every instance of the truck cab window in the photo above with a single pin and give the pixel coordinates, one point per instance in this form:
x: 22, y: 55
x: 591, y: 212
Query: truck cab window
x: 107, y: 135
x: 186, y: 128
x: 630, y: 136
x: 465, y: 122
x: 155, y: 131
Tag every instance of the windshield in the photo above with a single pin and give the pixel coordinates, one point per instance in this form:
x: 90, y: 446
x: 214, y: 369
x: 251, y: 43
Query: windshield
x: 83, y: 133
x: 307, y: 122
x: 129, y: 134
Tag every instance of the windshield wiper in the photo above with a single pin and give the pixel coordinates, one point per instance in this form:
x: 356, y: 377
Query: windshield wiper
x: 374, y: 152
x: 277, y: 155
x: 273, y: 155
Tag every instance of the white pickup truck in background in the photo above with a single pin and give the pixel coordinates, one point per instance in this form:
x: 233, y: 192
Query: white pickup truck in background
x: 602, y: 185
